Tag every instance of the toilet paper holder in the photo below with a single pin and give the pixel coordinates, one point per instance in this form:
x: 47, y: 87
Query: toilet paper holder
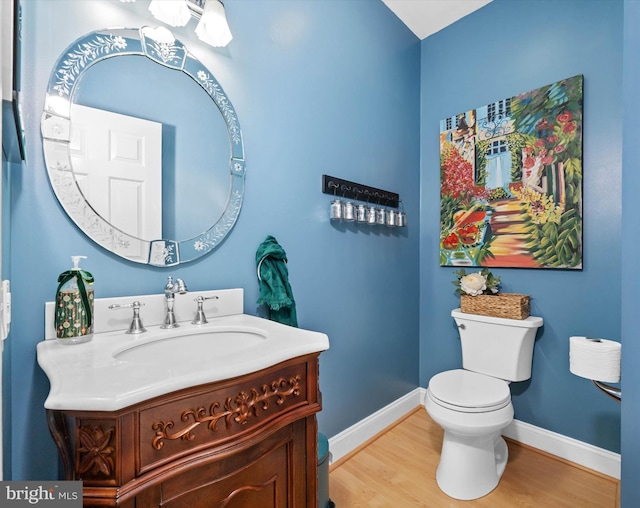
x: 610, y: 391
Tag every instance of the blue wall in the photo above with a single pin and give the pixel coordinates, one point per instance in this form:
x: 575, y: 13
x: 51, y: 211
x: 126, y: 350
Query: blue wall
x: 319, y: 87
x: 630, y: 492
x: 501, y: 50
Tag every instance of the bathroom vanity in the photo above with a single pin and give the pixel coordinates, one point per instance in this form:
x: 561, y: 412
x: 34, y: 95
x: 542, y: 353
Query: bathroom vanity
x: 244, y: 442
x: 217, y: 415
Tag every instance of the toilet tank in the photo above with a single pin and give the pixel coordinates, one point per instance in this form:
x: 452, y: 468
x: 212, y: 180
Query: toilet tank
x: 497, y: 347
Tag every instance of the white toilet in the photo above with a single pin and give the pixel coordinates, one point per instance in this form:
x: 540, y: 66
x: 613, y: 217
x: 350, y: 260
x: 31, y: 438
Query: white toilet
x: 473, y: 404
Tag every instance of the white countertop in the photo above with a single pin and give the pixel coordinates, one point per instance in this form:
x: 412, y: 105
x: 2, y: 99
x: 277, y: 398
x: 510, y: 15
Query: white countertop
x: 101, y: 375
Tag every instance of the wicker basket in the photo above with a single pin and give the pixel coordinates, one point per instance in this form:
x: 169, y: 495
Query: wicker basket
x: 504, y: 305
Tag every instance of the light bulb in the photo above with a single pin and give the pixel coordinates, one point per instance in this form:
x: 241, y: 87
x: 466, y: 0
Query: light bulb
x: 171, y: 12
x: 213, y: 27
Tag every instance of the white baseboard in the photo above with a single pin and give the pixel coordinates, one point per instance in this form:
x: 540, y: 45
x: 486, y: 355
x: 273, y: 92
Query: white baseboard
x: 578, y: 452
x: 351, y: 438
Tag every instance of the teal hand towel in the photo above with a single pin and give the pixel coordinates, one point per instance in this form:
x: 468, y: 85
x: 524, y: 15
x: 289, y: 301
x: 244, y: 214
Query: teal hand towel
x: 273, y: 276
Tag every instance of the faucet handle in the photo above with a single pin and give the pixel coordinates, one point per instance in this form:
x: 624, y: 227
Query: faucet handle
x: 136, y: 325
x: 201, y: 318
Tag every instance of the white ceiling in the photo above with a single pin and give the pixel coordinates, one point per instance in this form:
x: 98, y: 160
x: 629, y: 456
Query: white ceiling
x: 426, y: 17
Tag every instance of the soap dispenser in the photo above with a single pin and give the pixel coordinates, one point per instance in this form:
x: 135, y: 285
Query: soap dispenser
x: 74, y: 305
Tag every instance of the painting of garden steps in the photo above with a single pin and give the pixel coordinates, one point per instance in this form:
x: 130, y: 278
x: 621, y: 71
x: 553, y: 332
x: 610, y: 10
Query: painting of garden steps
x: 511, y: 181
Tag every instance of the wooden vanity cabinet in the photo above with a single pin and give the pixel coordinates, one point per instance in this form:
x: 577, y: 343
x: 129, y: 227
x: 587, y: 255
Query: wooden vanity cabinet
x: 247, y: 442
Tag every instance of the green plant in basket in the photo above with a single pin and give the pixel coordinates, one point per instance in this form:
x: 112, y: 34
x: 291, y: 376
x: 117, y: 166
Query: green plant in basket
x: 478, y: 283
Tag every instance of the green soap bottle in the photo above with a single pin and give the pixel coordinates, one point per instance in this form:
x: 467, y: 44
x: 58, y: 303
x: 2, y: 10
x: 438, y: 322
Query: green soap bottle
x: 74, y: 305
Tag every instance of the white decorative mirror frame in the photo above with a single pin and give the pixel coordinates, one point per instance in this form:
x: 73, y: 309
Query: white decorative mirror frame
x: 160, y: 46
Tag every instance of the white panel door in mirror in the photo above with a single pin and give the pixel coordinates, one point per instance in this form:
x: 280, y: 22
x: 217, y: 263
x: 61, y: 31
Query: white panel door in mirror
x: 117, y: 162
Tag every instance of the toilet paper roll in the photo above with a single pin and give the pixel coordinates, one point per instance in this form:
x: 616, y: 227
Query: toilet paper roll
x: 597, y: 359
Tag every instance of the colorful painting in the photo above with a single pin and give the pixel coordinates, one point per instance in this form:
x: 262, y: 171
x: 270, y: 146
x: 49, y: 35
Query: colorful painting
x: 511, y: 181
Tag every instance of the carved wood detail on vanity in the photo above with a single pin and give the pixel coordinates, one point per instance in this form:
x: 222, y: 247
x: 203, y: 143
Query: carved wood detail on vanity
x: 238, y: 409
x: 245, y: 442
x: 96, y: 451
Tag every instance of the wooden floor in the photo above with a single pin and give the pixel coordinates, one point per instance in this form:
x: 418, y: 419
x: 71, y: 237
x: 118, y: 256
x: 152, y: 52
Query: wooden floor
x: 397, y: 470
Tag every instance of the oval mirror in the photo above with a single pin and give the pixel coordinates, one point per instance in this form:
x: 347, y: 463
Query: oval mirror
x: 126, y: 160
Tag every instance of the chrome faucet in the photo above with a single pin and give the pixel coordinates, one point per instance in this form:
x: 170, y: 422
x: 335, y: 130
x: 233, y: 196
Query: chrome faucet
x: 170, y: 289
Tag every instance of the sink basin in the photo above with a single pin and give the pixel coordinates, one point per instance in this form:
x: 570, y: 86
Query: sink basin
x: 116, y: 370
x: 190, y: 345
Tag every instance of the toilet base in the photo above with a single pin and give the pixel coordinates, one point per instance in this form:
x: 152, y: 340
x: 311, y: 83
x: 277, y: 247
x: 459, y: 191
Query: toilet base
x: 474, y: 454
x: 471, y: 466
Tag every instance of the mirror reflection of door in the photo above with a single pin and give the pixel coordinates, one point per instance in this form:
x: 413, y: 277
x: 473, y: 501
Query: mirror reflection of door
x: 195, y: 140
x: 117, y: 163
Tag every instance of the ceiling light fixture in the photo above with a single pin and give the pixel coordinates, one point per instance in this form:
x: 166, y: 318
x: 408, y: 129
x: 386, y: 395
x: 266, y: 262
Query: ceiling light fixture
x: 212, y: 26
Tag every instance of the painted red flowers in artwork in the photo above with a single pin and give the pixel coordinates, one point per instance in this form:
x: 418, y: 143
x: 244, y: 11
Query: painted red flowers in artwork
x: 546, y: 149
x: 457, y: 177
x: 529, y: 162
x: 565, y: 117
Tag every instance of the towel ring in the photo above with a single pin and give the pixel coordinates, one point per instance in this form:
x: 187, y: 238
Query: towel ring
x: 260, y: 264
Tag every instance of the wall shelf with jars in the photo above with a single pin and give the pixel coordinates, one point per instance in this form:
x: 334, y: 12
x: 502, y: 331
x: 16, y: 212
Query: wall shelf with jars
x: 354, y: 202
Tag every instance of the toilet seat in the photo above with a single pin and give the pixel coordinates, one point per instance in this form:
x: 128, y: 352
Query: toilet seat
x: 469, y: 392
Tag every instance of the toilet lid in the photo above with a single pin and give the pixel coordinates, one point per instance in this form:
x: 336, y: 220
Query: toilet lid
x: 470, y: 390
